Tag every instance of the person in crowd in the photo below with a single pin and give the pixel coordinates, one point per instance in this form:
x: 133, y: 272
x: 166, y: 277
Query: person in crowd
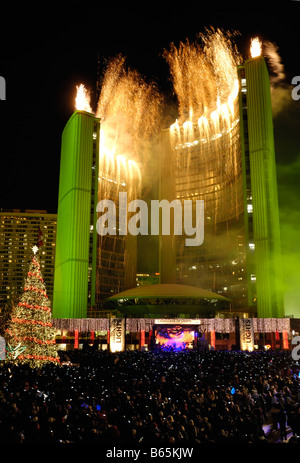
x: 152, y: 397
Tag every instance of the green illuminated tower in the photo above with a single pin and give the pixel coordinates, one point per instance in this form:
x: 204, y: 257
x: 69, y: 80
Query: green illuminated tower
x: 261, y: 202
x: 75, y: 254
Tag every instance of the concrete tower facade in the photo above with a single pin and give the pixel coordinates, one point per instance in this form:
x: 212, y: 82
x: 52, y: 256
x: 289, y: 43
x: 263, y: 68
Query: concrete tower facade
x: 88, y: 267
x: 74, y: 262
x: 259, y: 152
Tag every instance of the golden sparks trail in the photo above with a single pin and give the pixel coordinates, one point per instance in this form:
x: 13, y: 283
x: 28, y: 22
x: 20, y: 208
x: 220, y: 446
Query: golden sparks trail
x: 125, y: 93
x: 205, y: 137
x: 204, y: 74
x: 255, y: 47
x: 129, y: 109
x: 82, y: 100
x: 130, y: 113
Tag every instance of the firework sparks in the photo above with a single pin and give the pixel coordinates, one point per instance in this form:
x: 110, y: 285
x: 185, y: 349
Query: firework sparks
x: 203, y: 74
x: 82, y: 100
x: 255, y: 47
x: 129, y: 110
x: 206, y: 84
x: 126, y: 96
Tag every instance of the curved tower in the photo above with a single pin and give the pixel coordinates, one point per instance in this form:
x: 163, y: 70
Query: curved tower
x: 75, y: 216
x: 227, y: 159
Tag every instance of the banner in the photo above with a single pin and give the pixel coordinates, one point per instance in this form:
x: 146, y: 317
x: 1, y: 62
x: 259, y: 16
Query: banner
x: 246, y: 334
x: 76, y: 340
x: 213, y: 339
x: 285, y: 339
x: 177, y: 321
x: 117, y: 335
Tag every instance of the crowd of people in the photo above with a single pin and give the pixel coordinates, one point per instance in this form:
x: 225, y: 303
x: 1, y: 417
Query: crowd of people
x: 151, y: 397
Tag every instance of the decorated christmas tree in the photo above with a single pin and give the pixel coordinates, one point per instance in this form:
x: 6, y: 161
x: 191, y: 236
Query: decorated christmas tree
x: 30, y: 336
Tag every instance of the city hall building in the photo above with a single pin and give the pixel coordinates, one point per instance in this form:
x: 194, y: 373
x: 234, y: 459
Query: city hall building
x: 224, y: 294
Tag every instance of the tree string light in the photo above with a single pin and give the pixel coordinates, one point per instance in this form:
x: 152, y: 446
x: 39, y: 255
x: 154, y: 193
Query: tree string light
x: 30, y: 333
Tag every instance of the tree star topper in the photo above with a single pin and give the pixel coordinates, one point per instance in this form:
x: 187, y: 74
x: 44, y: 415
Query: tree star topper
x: 35, y: 249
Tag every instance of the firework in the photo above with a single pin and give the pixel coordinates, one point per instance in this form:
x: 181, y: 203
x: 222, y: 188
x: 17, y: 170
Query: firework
x: 255, y: 47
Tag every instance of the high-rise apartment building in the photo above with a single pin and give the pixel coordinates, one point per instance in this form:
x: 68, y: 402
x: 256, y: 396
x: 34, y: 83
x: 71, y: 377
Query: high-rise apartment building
x: 19, y: 232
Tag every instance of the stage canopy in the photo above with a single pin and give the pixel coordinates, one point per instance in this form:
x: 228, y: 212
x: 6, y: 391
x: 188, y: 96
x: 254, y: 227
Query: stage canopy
x: 168, y: 300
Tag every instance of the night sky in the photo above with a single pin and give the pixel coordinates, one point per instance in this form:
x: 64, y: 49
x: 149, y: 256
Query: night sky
x: 47, y: 50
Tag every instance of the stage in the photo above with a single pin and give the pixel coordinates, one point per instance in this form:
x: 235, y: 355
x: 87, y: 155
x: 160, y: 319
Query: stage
x: 150, y: 333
